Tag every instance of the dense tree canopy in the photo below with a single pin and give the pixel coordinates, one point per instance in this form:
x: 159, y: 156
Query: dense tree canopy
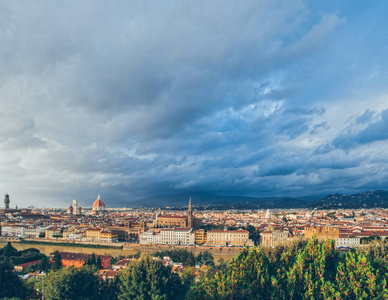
x: 57, y: 263
x: 298, y: 271
x: 10, y: 284
x: 178, y: 255
x: 149, y: 279
x: 72, y: 284
x: 205, y: 258
x: 15, y: 257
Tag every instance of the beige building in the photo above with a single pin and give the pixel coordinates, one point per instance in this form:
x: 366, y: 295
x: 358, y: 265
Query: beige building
x: 228, y: 238
x: 322, y: 232
x: 200, y: 237
x: 165, y: 221
x: 130, y: 232
x: 271, y: 237
x: 101, y: 235
x: 171, y: 221
x: 53, y: 233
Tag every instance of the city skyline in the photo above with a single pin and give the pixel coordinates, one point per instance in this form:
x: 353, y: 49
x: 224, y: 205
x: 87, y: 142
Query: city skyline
x: 129, y: 100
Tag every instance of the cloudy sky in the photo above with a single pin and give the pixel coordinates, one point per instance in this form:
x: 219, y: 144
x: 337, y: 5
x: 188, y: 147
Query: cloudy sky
x: 135, y: 98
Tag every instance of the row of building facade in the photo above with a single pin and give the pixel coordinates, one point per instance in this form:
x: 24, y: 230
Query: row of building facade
x: 188, y: 236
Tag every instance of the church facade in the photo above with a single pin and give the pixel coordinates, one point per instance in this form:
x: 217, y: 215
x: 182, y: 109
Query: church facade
x: 174, y: 221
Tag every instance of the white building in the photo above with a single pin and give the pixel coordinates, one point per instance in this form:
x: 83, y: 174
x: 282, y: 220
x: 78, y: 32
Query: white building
x: 177, y: 236
x: 168, y: 236
x: 33, y: 231
x: 150, y: 237
x: 13, y: 230
x: 349, y: 241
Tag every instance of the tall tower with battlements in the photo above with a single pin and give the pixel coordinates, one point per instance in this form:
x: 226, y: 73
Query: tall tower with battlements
x: 6, y: 202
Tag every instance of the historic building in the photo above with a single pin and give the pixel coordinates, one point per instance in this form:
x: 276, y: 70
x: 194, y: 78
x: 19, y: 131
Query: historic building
x: 171, y: 221
x: 200, y: 237
x: 272, y: 236
x: 74, y: 209
x: 6, y: 202
x: 130, y: 231
x: 6, y: 208
x: 98, y: 206
x: 228, y: 238
x: 101, y: 235
x: 322, y: 232
x: 168, y: 236
x: 79, y: 259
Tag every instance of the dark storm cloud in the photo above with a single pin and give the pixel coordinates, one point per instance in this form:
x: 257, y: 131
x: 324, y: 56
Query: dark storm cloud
x: 376, y: 131
x: 129, y: 99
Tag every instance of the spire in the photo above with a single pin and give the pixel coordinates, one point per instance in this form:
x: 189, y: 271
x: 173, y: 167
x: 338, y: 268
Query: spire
x: 98, y: 198
x: 190, y: 208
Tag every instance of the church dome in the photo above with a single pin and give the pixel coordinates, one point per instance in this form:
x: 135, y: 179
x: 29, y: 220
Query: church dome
x: 98, y: 204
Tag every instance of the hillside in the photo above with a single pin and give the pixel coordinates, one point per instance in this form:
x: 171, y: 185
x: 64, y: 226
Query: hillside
x: 210, y: 201
x: 368, y: 199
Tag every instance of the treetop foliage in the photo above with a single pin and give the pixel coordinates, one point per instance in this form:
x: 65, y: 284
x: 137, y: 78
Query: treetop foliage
x: 149, y: 279
x: 301, y: 270
x: 178, y: 255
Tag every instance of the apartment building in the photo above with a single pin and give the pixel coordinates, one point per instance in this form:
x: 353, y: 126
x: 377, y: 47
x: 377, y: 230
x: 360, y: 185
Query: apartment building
x: 348, y: 240
x: 101, y: 235
x: 168, y: 236
x: 228, y: 238
x: 200, y: 237
x: 271, y: 237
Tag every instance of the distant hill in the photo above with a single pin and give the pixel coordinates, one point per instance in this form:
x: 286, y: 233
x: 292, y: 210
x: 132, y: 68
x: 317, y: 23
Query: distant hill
x: 369, y: 199
x: 209, y: 201
x: 362, y: 200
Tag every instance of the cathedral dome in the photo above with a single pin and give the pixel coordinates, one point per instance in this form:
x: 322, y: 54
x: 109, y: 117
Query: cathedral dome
x: 98, y: 204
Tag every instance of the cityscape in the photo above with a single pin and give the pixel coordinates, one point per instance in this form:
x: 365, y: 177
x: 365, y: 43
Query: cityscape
x: 114, y: 239
x: 193, y: 150
x: 100, y: 225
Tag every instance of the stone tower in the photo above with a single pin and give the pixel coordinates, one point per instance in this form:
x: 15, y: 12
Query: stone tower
x: 75, y: 207
x: 6, y: 201
x: 190, y: 216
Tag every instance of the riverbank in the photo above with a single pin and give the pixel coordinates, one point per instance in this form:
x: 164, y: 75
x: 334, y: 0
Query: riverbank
x: 126, y: 250
x: 73, y: 244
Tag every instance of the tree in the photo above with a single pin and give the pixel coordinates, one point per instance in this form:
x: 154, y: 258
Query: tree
x: 247, y: 277
x: 178, y: 255
x: 188, y: 278
x: 205, y: 258
x: 356, y: 278
x: 149, y: 279
x: 10, y: 284
x: 57, y: 263
x: 254, y: 234
x: 98, y: 263
x: 92, y: 260
x: 9, y: 250
x: 74, y: 284
x: 44, y: 264
x: 222, y: 264
x: 137, y: 255
x: 108, y: 289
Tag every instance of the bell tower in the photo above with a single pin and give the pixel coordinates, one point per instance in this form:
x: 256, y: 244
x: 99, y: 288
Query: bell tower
x: 190, y: 215
x: 6, y: 202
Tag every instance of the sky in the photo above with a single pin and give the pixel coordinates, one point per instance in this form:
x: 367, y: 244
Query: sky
x: 130, y: 99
